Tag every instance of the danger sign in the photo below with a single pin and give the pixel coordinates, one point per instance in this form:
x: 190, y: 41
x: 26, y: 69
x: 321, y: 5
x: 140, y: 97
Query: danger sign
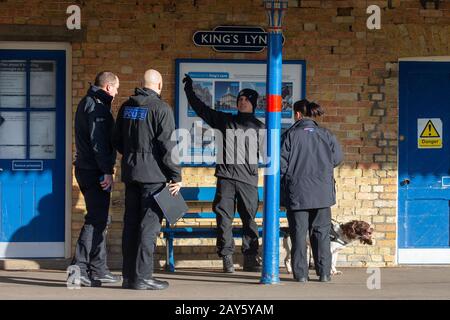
x: 429, y: 133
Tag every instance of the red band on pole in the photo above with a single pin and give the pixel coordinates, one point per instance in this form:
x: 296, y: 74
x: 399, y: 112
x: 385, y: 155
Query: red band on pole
x: 274, y: 103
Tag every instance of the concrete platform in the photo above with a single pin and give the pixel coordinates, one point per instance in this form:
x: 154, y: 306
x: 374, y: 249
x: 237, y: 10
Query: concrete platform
x: 192, y: 284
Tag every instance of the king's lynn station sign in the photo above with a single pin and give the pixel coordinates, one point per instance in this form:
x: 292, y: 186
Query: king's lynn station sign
x: 233, y: 39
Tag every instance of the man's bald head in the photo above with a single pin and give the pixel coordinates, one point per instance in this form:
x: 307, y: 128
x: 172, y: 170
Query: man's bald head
x: 153, y: 80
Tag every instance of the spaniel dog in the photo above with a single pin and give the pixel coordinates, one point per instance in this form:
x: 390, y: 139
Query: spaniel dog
x: 341, y: 235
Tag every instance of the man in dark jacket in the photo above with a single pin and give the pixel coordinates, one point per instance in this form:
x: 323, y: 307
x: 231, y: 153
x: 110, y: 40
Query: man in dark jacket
x: 236, y: 172
x: 309, y: 155
x: 142, y: 135
x: 94, y: 166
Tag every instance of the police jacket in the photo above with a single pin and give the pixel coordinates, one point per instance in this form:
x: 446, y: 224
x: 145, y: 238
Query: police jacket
x: 142, y: 135
x: 241, y: 162
x: 309, y: 154
x: 94, y: 125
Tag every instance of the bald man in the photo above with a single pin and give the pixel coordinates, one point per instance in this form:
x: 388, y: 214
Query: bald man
x: 143, y: 136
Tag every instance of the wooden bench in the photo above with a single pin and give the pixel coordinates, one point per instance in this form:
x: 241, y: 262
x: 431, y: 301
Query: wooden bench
x: 202, y: 195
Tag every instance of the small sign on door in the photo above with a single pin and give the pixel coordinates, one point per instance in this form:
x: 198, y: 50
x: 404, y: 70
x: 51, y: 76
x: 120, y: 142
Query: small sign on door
x: 429, y: 133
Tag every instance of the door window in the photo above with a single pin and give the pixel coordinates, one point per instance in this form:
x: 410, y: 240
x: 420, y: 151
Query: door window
x: 27, y: 109
x: 13, y: 84
x: 13, y: 135
x: 42, y: 135
x: 43, y: 84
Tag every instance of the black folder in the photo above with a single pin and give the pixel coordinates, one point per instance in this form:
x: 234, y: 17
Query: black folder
x: 173, y: 207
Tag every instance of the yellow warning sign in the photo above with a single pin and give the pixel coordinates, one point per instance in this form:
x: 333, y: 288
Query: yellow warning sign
x: 430, y: 143
x: 429, y: 131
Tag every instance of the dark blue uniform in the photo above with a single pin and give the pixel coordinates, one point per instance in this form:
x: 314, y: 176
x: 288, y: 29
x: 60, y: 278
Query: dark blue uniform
x: 95, y: 157
x: 309, y: 155
x: 237, y: 179
x: 142, y: 135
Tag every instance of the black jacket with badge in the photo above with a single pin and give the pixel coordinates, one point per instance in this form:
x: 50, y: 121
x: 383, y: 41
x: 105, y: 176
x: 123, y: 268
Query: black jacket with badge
x: 237, y: 167
x: 94, y: 124
x: 309, y: 154
x: 142, y: 135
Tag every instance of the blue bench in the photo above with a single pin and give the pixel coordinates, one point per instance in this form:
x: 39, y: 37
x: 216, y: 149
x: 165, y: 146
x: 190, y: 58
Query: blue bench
x: 199, y: 195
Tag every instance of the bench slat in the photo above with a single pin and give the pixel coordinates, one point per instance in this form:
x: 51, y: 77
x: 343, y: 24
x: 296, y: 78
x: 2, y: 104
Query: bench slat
x: 188, y: 232
x: 206, y: 193
x: 212, y: 215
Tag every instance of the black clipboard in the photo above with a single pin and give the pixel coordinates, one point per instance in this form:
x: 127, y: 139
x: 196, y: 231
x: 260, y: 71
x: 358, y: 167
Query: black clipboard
x: 173, y: 207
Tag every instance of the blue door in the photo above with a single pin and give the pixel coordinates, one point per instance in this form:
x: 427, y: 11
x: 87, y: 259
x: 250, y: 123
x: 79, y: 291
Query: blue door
x: 32, y: 153
x: 424, y: 162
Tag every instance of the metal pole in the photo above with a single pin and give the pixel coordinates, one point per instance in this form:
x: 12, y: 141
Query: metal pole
x: 271, y: 230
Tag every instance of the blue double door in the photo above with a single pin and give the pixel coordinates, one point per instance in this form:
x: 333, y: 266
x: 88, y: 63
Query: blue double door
x: 424, y: 163
x: 32, y: 153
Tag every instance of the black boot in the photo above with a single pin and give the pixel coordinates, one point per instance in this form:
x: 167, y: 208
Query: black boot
x: 82, y: 279
x: 228, y: 266
x: 324, y: 278
x: 127, y: 283
x: 89, y: 282
x: 150, y: 284
x: 251, y: 263
x: 302, y: 279
x: 85, y: 281
x: 107, y: 278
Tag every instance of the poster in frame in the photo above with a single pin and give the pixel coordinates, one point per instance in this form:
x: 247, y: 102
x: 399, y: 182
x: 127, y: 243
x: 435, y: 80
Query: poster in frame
x: 217, y: 83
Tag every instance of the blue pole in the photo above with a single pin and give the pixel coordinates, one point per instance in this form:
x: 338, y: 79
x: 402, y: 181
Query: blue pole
x: 271, y: 230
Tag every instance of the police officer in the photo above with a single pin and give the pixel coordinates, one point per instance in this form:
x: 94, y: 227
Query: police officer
x: 142, y: 135
x: 237, y: 174
x: 94, y: 165
x: 309, y: 153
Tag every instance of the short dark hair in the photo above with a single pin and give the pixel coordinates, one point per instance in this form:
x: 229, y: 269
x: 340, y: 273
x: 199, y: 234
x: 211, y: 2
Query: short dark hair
x: 104, y: 78
x: 308, y: 109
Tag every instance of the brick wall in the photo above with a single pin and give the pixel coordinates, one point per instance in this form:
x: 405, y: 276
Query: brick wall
x: 351, y: 71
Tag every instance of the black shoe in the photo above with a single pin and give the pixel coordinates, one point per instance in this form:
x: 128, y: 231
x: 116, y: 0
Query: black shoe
x: 127, y: 283
x: 150, y: 284
x: 85, y: 281
x: 228, y: 266
x: 251, y: 263
x: 107, y: 278
x: 302, y: 279
x: 325, y: 278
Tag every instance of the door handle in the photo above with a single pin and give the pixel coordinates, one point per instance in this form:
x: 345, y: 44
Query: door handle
x: 405, y: 182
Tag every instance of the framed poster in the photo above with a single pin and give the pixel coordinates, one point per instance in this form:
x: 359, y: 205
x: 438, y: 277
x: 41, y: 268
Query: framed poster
x: 217, y: 83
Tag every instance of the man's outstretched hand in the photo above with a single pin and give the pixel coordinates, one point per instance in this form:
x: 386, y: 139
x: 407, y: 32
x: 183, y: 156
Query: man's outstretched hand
x: 187, y: 83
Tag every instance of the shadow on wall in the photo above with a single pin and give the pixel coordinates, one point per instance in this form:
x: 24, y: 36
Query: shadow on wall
x: 43, y: 218
x: 36, y: 226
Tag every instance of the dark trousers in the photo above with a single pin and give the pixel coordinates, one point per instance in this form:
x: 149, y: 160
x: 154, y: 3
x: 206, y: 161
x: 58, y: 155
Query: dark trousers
x: 229, y: 195
x: 318, y: 222
x: 142, y: 224
x: 90, y: 251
